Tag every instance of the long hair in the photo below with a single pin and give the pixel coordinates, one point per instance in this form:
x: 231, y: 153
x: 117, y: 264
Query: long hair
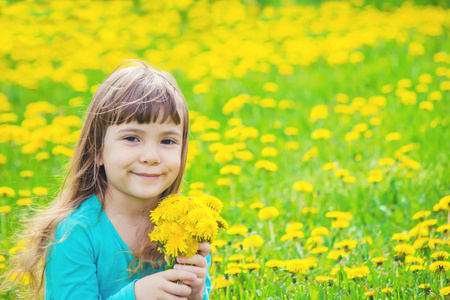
x: 134, y: 91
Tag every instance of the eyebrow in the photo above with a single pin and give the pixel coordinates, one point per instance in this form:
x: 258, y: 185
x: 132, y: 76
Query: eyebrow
x: 131, y: 129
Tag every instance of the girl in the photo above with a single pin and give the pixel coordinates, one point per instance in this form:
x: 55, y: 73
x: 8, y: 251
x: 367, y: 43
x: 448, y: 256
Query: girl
x: 93, y: 243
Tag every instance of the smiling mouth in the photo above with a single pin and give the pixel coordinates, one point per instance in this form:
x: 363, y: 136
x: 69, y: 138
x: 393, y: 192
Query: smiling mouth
x: 148, y: 176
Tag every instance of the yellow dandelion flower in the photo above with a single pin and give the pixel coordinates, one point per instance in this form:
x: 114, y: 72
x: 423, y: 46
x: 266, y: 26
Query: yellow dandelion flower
x: 444, y: 201
x: 358, y: 272
x: 292, y: 145
x: 444, y: 228
x: 219, y: 243
x: 270, y: 87
x: 244, y: 155
x: 24, y: 201
x: 238, y: 230
x: 423, y: 243
x: 313, y: 242
x: 274, y: 263
x: 387, y: 290
x: 27, y: 174
x: 7, y: 191
x: 387, y: 161
x: 251, y: 266
x: 439, y: 266
x: 393, y: 136
x: 303, y: 186
x: 339, y: 215
x: 221, y: 282
x: 445, y: 291
x: 266, y: 165
x: 313, y: 152
x: 267, y: 213
x: 319, y: 112
x: 319, y: 250
x: 401, y: 237
x: 292, y: 235
x: 424, y: 286
x: 320, y: 231
x: 342, y: 98
x: 329, y: 166
x: 236, y: 257
x: 309, y: 210
x: 404, y: 249
x: 24, y: 193
x: 269, y: 152
x: 268, y: 138
x: 296, y: 226
x: 419, y: 231
x: 428, y: 223
x: 323, y: 279
x: 230, y: 169
x: 341, y: 173
x: 367, y: 240
x: 346, y: 244
x: 212, y: 202
x: 252, y: 241
x: 256, y: 205
x: 206, y: 230
x: 291, y: 131
x: 386, y: 89
x: 416, y: 260
x: 336, y: 254
x: 421, y: 214
x: 369, y: 293
x: 339, y: 224
x: 440, y: 255
x: 378, y: 260
x: 321, y: 134
x: 235, y: 270
x: 5, y: 209
x: 40, y: 191
x: 349, y: 179
x: 415, y: 268
x: 223, y: 182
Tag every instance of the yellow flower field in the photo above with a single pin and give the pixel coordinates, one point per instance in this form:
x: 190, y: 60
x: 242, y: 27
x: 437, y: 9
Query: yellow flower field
x: 323, y: 129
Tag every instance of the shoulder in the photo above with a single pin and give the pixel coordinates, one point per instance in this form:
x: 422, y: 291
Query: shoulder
x: 83, y: 218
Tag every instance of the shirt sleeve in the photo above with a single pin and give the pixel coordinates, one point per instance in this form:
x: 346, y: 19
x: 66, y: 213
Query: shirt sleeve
x: 71, y: 271
x: 208, y: 279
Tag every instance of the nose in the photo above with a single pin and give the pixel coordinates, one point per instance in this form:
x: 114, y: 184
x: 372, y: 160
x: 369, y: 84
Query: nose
x: 150, y: 155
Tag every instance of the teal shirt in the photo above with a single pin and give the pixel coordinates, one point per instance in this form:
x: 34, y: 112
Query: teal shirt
x: 91, y: 261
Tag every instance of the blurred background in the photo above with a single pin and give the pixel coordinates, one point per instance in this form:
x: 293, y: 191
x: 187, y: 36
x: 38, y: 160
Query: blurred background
x: 301, y: 107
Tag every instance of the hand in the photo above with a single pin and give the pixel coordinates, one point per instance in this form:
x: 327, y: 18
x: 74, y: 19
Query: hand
x: 162, y: 285
x: 197, y: 265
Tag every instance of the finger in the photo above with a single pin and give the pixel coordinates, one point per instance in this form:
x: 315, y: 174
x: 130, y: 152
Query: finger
x: 181, y: 275
x: 204, y: 249
x: 177, y: 289
x: 196, y: 260
x: 200, y: 272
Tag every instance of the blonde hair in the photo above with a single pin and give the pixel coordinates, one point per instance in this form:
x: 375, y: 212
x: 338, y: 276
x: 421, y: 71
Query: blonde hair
x: 134, y: 91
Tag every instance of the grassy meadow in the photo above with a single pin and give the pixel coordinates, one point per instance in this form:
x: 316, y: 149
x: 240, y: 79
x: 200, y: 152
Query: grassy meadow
x: 323, y: 129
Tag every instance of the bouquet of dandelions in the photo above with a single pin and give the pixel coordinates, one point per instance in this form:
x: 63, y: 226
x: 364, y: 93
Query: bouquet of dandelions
x: 182, y: 222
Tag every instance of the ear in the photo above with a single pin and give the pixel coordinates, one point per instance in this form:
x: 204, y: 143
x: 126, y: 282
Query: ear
x: 99, y: 160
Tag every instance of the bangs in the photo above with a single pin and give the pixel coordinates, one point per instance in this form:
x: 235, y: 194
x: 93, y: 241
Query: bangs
x: 145, y: 111
x: 137, y: 94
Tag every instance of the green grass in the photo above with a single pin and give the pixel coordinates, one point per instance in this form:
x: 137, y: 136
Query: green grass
x: 379, y: 209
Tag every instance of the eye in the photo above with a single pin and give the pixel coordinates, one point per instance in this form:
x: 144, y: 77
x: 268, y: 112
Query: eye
x: 131, y: 138
x: 168, y: 141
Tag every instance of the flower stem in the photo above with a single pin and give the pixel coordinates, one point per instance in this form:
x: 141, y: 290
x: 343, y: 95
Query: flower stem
x: 299, y: 249
x: 272, y: 235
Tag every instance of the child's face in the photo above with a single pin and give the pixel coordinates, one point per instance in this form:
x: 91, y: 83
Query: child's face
x: 141, y: 160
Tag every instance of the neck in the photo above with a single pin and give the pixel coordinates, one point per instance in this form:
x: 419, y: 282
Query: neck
x: 128, y: 207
